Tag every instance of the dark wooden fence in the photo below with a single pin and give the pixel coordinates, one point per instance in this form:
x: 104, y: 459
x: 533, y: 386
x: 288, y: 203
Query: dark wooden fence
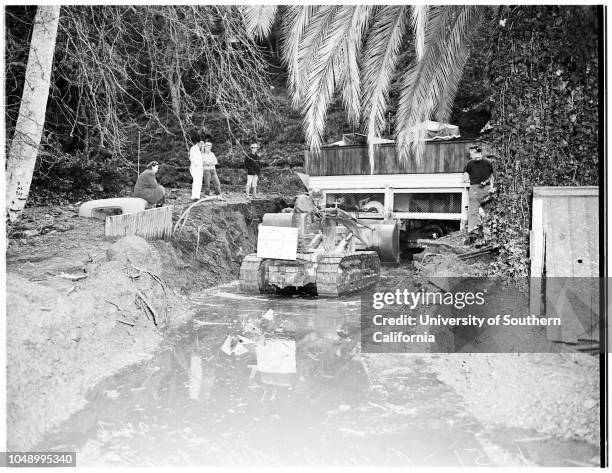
x: 438, y: 157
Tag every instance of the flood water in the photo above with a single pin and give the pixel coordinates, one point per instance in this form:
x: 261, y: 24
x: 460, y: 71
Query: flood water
x: 292, y: 391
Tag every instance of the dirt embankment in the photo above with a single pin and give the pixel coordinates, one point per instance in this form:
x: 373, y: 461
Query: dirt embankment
x: 211, y: 241
x: 81, y: 307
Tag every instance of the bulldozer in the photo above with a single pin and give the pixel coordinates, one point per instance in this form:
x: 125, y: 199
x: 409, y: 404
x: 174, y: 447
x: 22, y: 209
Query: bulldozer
x: 328, y: 251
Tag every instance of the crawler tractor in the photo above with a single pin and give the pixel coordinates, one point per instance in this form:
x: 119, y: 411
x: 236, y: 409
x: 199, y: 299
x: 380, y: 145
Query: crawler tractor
x: 327, y: 250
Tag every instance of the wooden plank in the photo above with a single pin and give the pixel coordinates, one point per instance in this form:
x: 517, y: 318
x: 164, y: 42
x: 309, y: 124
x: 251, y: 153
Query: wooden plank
x: 337, y: 164
x: 150, y: 224
x: 536, y: 254
x: 391, y: 161
x: 549, y: 191
x: 441, y: 152
x: 365, y: 162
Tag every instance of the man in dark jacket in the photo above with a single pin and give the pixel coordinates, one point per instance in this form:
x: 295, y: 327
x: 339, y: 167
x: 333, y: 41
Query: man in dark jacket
x: 147, y: 187
x: 479, y: 172
x: 252, y: 164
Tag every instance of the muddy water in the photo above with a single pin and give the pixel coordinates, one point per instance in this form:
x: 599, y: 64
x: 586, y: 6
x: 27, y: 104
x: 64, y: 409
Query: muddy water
x: 204, y: 400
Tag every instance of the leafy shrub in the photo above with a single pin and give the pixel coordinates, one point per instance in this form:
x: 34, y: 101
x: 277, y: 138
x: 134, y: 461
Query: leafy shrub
x: 545, y: 117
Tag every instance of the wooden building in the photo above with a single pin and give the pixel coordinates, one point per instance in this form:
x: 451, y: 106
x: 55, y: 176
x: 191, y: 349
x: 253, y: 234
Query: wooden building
x: 432, y: 189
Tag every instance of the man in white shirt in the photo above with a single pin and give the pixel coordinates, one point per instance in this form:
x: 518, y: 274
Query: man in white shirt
x: 196, y: 169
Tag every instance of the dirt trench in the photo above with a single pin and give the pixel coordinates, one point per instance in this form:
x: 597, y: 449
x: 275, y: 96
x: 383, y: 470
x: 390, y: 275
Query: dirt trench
x: 208, y: 248
x: 81, y: 307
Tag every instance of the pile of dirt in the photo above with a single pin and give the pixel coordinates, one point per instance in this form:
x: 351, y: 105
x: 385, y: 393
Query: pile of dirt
x: 61, y: 342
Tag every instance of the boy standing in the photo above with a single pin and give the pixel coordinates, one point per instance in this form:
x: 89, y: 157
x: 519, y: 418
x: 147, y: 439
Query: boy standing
x: 252, y: 164
x: 209, y: 161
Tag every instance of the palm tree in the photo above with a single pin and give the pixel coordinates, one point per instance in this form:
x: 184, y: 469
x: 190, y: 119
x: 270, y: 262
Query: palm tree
x: 356, y: 50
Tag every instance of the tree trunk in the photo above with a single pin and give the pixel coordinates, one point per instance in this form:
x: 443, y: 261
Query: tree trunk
x: 28, y: 130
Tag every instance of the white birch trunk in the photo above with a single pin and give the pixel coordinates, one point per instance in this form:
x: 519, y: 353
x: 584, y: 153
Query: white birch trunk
x: 30, y: 123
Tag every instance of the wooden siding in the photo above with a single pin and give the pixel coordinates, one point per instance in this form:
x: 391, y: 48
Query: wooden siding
x: 439, y: 157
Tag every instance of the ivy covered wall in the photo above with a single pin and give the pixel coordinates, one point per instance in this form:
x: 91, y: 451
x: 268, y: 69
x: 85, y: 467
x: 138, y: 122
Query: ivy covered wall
x: 543, y: 66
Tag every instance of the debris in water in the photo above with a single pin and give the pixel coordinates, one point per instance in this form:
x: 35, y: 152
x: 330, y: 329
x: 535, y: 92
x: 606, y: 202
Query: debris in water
x: 276, y: 356
x: 202, y: 322
x: 73, y: 277
x: 195, y: 376
x: 234, y: 345
x: 347, y: 431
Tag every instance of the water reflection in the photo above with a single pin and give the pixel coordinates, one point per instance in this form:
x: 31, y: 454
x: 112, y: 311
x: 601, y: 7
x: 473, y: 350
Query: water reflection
x: 259, y: 381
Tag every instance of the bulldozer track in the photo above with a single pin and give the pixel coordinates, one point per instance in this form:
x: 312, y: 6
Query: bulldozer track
x: 338, y: 275
x: 251, y: 274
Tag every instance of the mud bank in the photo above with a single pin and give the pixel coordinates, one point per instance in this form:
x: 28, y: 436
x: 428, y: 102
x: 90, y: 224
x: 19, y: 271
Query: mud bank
x: 209, y: 245
x: 81, y: 307
x: 554, y: 394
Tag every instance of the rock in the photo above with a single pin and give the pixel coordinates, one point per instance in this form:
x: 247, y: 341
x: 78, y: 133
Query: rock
x: 31, y: 233
x: 132, y: 248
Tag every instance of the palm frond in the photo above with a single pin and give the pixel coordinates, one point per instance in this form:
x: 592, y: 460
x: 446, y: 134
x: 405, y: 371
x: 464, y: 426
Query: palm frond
x: 258, y: 19
x: 437, y: 73
x: 350, y: 81
x: 317, y: 31
x: 326, y: 67
x: 419, y: 20
x: 447, y: 97
x: 295, y: 20
x: 379, y: 64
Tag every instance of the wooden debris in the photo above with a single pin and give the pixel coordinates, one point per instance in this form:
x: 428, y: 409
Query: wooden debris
x: 201, y: 322
x: 142, y: 307
x: 115, y: 304
x: 73, y: 277
x: 148, y: 305
x: 441, y: 245
x: 478, y: 252
x: 125, y: 322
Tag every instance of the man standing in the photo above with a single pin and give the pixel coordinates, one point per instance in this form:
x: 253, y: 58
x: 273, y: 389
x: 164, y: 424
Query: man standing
x: 196, y: 168
x: 252, y: 164
x: 479, y: 172
x: 210, y: 172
